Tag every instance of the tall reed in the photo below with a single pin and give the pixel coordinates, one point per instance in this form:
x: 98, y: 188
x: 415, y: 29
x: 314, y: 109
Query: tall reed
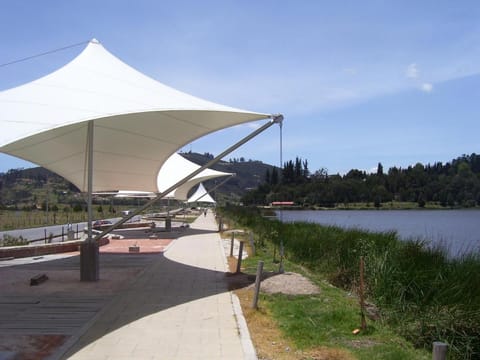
x: 423, y: 293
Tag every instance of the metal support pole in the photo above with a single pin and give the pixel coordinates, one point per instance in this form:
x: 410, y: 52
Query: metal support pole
x: 258, y: 279
x: 281, y: 269
x: 439, y: 351
x: 276, y: 119
x: 89, y: 252
x: 89, y: 178
x: 239, y: 261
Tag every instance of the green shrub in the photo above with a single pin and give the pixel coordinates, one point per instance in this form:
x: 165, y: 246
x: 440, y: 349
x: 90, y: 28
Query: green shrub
x: 9, y: 240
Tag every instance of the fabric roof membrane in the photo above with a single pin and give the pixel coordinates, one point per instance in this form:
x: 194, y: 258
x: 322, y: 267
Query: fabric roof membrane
x: 138, y: 122
x: 173, y: 170
x: 201, y: 195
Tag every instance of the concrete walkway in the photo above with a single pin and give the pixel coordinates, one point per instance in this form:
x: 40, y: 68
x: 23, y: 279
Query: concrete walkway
x: 178, y: 308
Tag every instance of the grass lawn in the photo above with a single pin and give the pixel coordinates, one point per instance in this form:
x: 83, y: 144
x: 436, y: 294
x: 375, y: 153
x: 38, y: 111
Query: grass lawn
x: 318, y: 326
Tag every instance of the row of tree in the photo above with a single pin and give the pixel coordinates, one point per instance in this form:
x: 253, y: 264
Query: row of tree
x: 455, y: 183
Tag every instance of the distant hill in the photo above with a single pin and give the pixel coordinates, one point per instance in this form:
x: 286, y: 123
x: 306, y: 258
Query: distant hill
x: 248, y: 174
x: 28, y: 187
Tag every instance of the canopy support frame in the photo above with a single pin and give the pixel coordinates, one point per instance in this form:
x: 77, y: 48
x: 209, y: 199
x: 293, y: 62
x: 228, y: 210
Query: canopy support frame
x: 89, y: 251
x: 275, y: 119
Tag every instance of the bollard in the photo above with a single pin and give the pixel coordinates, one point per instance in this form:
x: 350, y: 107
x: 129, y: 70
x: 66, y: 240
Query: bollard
x: 239, y: 261
x: 439, y: 350
x: 281, y: 270
x: 252, y: 243
x: 232, y: 243
x: 258, y: 279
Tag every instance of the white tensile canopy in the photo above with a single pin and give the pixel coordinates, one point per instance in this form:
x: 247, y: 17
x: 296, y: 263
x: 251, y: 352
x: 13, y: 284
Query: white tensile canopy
x: 201, y: 195
x: 138, y: 122
x: 176, y: 168
x: 173, y: 170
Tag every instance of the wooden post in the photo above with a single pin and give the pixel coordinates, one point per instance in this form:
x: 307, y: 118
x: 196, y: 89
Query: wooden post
x: 258, y: 279
x: 361, y: 294
x: 45, y: 239
x: 63, y: 233
x: 281, y: 270
x: 252, y: 243
x: 232, y: 243
x: 439, y: 351
x: 239, y: 261
x: 220, y: 224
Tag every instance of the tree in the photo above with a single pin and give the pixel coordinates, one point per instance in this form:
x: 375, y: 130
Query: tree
x: 380, y: 169
x: 421, y: 201
x: 268, y: 179
x: 288, y: 173
x: 306, y: 172
x: 274, y: 177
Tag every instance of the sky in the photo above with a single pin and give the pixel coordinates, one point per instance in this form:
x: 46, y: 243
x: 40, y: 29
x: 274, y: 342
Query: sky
x: 358, y: 82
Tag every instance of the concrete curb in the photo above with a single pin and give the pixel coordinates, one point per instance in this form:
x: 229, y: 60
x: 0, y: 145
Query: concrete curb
x: 247, y: 345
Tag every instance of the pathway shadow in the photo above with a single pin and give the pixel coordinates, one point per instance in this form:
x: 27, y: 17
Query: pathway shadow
x: 131, y: 286
x: 162, y: 285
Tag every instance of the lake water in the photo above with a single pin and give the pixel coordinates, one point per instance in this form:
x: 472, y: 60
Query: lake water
x: 457, y: 230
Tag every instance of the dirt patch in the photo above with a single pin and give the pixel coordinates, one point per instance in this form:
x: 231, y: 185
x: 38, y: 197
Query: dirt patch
x: 288, y: 283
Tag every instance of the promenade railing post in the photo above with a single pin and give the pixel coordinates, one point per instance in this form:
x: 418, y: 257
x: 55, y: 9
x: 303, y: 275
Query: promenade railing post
x: 439, y: 351
x: 220, y: 224
x: 258, y: 280
x: 232, y: 243
x: 281, y: 269
x: 252, y: 243
x: 239, y: 261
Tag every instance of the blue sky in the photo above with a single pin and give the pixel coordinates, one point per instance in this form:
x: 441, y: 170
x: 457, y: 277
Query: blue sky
x: 359, y: 82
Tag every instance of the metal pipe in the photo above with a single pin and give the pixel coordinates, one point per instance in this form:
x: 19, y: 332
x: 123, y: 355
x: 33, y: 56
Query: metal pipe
x: 276, y: 119
x: 90, y: 179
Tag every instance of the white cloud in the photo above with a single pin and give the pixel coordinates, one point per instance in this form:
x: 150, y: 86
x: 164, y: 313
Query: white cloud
x: 412, y: 71
x: 426, y: 87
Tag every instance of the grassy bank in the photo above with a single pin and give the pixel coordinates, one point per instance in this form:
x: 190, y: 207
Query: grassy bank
x: 422, y: 294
